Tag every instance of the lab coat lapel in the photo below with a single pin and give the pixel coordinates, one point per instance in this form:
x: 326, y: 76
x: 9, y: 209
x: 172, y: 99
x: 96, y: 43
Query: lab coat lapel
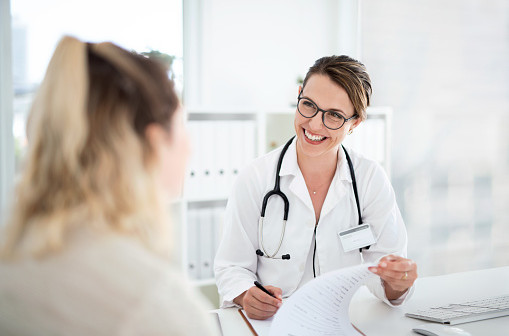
x: 290, y: 167
x: 339, y: 186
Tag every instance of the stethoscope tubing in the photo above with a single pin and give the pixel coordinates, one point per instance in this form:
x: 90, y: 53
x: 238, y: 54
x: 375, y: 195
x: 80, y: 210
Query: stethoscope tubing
x: 277, y: 192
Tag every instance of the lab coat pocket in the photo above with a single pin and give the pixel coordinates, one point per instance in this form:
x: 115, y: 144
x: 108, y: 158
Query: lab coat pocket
x: 281, y: 273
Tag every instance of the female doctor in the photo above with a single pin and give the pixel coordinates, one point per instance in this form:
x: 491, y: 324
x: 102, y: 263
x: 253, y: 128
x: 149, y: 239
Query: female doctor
x: 294, y: 212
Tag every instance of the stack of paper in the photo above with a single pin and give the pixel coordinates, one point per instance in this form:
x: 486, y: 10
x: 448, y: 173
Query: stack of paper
x: 319, y: 308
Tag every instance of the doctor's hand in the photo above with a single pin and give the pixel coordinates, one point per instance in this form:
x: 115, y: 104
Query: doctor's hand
x: 398, y: 274
x: 259, y: 305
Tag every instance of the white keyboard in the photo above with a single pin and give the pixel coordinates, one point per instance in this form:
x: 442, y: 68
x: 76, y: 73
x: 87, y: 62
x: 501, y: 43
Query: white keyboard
x: 457, y: 313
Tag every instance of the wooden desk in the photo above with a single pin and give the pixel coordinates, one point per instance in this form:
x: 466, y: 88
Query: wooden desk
x: 375, y: 318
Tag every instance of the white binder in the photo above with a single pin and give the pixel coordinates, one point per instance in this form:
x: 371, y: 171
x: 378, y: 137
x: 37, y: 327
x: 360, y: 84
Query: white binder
x: 207, y: 151
x: 193, y: 247
x: 190, y: 186
x: 222, y: 165
x: 236, y: 148
x: 218, y: 218
x: 206, y: 242
x: 249, y: 139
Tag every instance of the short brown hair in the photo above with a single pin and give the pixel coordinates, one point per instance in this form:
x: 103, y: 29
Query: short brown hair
x: 348, y: 73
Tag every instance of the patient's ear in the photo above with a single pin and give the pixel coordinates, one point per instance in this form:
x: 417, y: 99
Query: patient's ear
x: 158, y: 139
x: 170, y: 152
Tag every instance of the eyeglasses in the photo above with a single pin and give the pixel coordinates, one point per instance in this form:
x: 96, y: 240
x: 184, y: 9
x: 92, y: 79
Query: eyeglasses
x: 331, y: 119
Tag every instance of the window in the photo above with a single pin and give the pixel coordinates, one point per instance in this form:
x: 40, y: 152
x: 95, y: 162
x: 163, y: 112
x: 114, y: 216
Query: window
x: 442, y: 66
x: 37, y: 26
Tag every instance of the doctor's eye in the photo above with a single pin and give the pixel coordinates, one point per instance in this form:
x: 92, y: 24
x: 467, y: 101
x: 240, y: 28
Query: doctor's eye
x: 307, y: 108
x: 334, y: 116
x: 308, y: 104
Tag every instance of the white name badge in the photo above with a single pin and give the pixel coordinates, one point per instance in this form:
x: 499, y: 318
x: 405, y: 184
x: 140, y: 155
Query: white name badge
x: 357, y: 237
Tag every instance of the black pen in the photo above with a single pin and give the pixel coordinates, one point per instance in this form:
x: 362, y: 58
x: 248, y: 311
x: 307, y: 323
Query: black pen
x: 259, y: 285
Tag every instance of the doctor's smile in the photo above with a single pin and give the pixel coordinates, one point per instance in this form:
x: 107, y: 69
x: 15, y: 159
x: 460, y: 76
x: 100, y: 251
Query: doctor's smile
x: 313, y: 138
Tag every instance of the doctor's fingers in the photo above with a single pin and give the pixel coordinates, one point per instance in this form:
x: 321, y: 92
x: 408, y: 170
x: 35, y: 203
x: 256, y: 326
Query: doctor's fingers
x: 276, y: 291
x: 266, y: 298
x: 394, y: 267
x: 258, y: 314
x: 257, y: 298
x: 391, y: 275
x: 399, y: 265
x: 257, y: 309
x: 396, y: 262
x: 399, y: 281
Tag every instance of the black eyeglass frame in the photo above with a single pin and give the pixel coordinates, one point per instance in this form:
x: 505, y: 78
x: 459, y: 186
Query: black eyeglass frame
x: 299, y: 98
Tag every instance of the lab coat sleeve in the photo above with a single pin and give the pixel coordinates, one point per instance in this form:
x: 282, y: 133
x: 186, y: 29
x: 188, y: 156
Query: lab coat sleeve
x: 236, y: 261
x: 379, y: 209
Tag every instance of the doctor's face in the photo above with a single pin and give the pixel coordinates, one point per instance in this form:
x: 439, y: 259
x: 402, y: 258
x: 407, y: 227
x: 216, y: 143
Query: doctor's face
x: 314, y: 139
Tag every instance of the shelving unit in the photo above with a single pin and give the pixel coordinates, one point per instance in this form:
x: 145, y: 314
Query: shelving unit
x: 372, y: 138
x: 223, y: 142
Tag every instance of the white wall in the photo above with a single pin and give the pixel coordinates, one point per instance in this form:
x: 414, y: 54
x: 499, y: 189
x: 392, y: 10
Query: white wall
x: 249, y: 53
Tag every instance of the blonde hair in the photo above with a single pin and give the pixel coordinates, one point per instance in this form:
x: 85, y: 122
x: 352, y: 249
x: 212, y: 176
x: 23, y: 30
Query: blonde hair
x: 348, y: 73
x: 89, y: 162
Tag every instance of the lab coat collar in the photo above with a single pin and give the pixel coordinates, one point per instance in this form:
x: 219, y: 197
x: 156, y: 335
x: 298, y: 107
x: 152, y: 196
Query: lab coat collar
x: 338, y: 189
x: 291, y: 167
x: 342, y: 170
x: 298, y: 185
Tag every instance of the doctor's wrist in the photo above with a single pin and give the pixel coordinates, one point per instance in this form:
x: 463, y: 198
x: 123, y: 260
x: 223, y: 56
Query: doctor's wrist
x: 239, y: 300
x: 392, y: 293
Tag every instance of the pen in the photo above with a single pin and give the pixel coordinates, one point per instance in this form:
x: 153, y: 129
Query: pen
x: 259, y: 285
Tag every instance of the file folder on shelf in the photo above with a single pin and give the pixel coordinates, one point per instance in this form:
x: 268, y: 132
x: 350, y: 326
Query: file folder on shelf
x: 222, y: 159
x: 205, y: 234
x: 220, y: 149
x: 218, y: 218
x: 193, y: 268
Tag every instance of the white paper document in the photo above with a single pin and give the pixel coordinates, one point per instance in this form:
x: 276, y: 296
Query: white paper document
x: 320, y: 307
x: 261, y: 327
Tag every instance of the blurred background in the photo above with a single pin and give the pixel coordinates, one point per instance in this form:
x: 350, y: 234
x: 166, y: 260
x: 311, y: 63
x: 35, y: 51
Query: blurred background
x: 441, y: 67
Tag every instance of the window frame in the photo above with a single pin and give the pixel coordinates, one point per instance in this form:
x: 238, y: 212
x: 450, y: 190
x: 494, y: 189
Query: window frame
x: 6, y: 106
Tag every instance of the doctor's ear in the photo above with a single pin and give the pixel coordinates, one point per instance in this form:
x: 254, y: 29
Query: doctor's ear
x: 300, y: 89
x: 356, y: 123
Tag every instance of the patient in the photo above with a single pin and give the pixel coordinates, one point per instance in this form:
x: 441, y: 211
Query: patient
x: 86, y: 246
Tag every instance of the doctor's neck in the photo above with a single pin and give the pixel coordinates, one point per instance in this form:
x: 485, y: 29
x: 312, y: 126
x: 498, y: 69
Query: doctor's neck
x: 323, y: 165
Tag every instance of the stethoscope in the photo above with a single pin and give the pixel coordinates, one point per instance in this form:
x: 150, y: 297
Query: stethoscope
x: 277, y: 191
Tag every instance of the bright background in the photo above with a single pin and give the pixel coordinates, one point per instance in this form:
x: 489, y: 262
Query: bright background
x: 441, y: 65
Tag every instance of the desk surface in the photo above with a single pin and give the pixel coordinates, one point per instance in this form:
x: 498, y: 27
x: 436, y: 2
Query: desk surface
x: 374, y: 317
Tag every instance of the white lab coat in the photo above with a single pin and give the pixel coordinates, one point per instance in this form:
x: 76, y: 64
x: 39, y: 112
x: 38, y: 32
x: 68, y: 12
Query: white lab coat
x: 236, y: 263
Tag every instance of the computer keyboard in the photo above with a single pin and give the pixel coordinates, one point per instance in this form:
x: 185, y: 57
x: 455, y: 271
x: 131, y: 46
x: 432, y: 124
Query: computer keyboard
x: 457, y: 313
